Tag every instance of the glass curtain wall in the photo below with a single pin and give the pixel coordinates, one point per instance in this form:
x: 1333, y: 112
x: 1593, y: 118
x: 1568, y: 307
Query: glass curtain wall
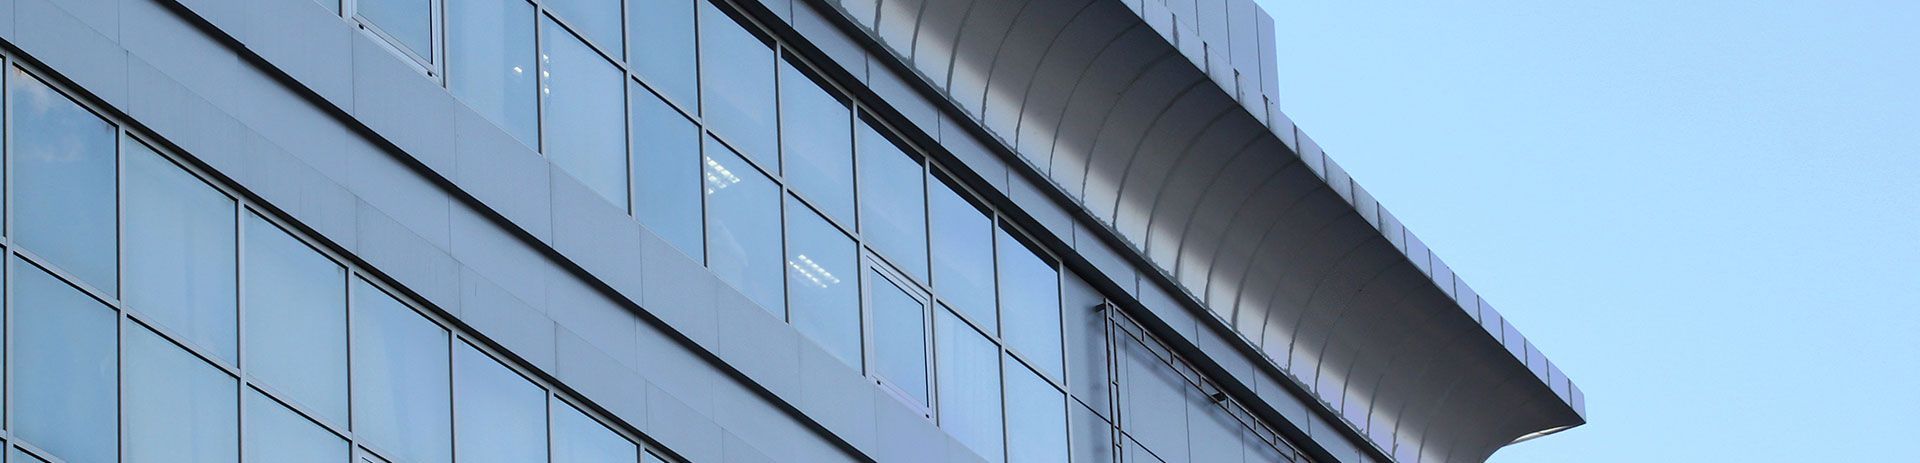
x: 206, y: 331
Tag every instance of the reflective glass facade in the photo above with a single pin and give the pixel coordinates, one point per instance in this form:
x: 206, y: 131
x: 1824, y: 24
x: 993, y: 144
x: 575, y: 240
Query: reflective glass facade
x: 691, y: 178
x: 230, y: 338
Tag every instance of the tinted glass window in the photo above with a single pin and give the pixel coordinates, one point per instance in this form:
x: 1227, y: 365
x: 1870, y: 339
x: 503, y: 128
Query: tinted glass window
x: 743, y: 229
x: 1036, y: 417
x: 409, y: 22
x: 737, y: 85
x: 585, y: 129
x: 663, y: 49
x: 64, y: 369
x: 63, y: 182
x: 822, y: 289
x: 180, y: 253
x: 816, y: 136
x: 969, y: 375
x: 598, y: 20
x: 962, y: 254
x: 179, y: 408
x: 400, y: 378
x: 577, y: 438
x: 500, y: 416
x: 667, y: 170
x: 1030, y: 300
x: 17, y: 456
x: 491, y: 66
x: 893, y: 210
x: 277, y: 434
x: 296, y: 320
x: 899, y: 337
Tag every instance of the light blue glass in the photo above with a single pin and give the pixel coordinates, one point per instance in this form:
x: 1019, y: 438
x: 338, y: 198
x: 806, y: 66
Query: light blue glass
x: 969, y: 379
x: 179, y: 407
x: 577, y: 438
x: 585, y: 129
x: 1030, y: 301
x: 409, y: 22
x: 64, y: 374
x: 276, y: 434
x: 899, y: 337
x: 667, y: 172
x: 743, y: 228
x: 893, y: 208
x: 597, y: 20
x: 181, y: 264
x: 499, y: 416
x: 400, y: 379
x: 296, y: 320
x: 816, y: 137
x: 663, y: 48
x: 962, y: 238
x: 737, y: 86
x: 651, y: 458
x: 490, y: 63
x: 823, y: 290
x: 15, y: 455
x: 1036, y: 417
x: 63, y: 182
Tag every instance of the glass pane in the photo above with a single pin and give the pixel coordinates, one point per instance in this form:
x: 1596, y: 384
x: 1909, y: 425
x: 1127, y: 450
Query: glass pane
x: 585, y: 132
x: 400, y: 379
x: 1036, y: 417
x: 969, y: 375
x: 893, y: 210
x: 667, y: 172
x: 899, y: 337
x: 499, y: 415
x: 743, y: 229
x: 962, y: 254
x: 181, y: 253
x: 1030, y: 299
x: 577, y: 438
x: 490, y: 43
x: 663, y: 49
x: 179, y: 407
x: 63, y: 191
x: 816, y: 136
x: 16, y: 455
x: 296, y: 320
x: 823, y: 293
x: 64, y: 375
x: 598, y: 20
x: 277, y: 434
x: 736, y: 86
x: 651, y: 458
x: 409, y: 22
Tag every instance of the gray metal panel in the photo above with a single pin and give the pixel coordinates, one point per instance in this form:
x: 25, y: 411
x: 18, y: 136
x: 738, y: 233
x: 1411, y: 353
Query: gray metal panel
x: 595, y: 373
x: 506, y: 175
x: 507, y: 320
x: 73, y: 48
x: 595, y: 234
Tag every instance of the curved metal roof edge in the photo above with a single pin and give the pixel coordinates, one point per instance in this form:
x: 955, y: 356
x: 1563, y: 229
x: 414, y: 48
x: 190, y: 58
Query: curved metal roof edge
x: 1260, y: 105
x: 1180, y: 30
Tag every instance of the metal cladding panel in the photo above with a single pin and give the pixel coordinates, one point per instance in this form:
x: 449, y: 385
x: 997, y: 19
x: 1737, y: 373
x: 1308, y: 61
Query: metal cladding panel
x: 1125, y: 109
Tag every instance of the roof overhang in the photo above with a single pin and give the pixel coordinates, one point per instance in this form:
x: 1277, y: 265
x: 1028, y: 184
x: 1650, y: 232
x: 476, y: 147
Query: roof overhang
x: 1158, y: 119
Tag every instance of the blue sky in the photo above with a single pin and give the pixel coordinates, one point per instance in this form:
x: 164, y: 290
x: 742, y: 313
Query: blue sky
x: 1707, y: 212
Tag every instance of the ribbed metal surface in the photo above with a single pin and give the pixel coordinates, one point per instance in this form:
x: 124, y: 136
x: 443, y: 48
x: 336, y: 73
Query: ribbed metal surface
x: 1156, y: 116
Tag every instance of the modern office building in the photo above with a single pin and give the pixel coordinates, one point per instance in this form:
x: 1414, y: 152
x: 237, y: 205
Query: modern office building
x: 431, y: 231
